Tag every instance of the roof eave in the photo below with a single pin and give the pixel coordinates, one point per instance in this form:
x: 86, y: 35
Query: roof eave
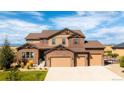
x: 117, y: 47
x: 95, y: 47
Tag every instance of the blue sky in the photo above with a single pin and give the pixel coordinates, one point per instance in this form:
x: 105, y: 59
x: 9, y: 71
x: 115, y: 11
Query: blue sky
x: 104, y: 26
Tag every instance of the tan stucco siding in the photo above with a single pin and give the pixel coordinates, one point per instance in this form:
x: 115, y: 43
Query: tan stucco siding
x: 35, y: 51
x: 60, y: 54
x: 58, y: 40
x: 60, y: 62
x: 80, y: 43
x: 120, y: 52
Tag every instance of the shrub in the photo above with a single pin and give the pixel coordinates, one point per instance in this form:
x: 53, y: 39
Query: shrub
x: 108, y: 53
x: 122, y: 61
x: 6, y: 56
x: 115, y: 55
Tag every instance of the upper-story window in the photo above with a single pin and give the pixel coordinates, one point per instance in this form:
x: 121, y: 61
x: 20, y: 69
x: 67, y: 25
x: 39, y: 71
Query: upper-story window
x: 76, y: 41
x: 53, y: 41
x: 44, y: 41
x: 70, y: 40
x: 63, y: 41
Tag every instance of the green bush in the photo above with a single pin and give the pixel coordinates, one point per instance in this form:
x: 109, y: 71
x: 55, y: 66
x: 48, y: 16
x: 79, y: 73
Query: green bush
x: 115, y: 55
x: 122, y: 61
x: 6, y: 56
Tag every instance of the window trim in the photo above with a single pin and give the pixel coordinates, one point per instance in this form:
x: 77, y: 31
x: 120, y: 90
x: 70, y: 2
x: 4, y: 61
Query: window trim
x: 23, y: 55
x: 53, y: 41
x: 70, y: 40
x: 44, y: 41
x: 26, y: 55
x: 76, y: 40
x: 63, y: 40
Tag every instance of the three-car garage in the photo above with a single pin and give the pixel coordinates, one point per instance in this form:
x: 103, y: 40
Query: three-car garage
x: 63, y: 57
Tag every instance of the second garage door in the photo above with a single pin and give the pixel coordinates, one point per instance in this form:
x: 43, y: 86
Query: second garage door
x: 96, y: 59
x: 61, y: 62
x: 81, y: 61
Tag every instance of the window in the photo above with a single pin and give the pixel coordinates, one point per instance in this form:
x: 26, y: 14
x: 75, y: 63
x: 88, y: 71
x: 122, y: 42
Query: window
x: 27, y: 54
x: 76, y: 41
x: 53, y: 41
x: 70, y: 40
x: 44, y: 41
x: 63, y: 41
x: 23, y: 54
x: 31, y: 54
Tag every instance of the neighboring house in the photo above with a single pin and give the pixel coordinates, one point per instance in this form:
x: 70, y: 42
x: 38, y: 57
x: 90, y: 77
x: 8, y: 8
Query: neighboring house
x: 108, y: 48
x: 119, y: 49
x: 64, y: 48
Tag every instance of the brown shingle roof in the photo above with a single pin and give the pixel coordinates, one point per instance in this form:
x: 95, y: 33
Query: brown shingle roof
x: 40, y: 46
x: 33, y: 36
x: 49, y: 33
x: 77, y: 49
x: 27, y: 46
x: 59, y: 46
x: 93, y: 44
x: 74, y: 50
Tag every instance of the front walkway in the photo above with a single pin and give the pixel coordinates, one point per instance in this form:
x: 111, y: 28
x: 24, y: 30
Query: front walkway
x: 80, y: 73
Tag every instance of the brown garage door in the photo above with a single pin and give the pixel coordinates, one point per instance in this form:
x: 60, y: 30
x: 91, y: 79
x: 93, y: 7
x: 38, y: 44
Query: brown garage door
x: 81, y: 61
x: 60, y: 62
x: 96, y: 59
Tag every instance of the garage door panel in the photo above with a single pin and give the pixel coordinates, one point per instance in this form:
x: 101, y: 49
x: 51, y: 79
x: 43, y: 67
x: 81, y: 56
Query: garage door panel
x: 81, y: 61
x: 96, y: 59
x: 60, y: 62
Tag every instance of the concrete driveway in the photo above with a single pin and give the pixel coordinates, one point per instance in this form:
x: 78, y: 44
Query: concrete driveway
x: 80, y: 73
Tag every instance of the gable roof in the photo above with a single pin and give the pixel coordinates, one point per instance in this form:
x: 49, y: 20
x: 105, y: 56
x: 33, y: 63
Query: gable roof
x: 49, y: 33
x: 121, y: 45
x: 93, y: 44
x: 77, y: 32
x: 27, y: 46
x: 61, y: 47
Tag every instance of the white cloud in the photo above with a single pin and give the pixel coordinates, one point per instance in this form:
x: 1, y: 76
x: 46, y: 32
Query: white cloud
x: 98, y: 13
x: 16, y: 30
x: 85, y: 20
x: 79, y: 22
x: 81, y: 13
x: 35, y: 15
x: 109, y: 35
x: 8, y: 12
x: 93, y: 25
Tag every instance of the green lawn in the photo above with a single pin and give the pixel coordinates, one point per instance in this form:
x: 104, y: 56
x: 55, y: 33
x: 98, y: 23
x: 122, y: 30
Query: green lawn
x: 25, y: 75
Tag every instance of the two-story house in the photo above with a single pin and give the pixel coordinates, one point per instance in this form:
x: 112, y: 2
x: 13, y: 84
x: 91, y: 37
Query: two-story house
x: 64, y: 48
